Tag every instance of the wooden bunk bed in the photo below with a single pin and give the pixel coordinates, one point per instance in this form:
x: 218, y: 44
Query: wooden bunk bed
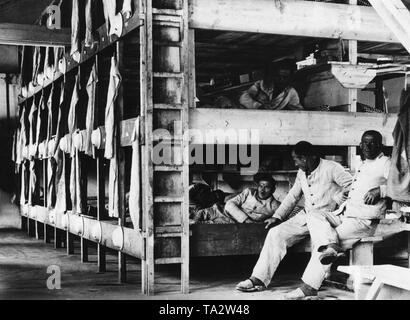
x: 164, y: 236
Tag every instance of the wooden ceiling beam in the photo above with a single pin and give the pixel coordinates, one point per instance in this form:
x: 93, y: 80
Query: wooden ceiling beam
x: 32, y: 35
x: 396, y: 16
x: 292, y: 18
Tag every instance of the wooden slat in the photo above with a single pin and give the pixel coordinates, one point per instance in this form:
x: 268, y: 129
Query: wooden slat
x: 353, y: 93
x: 122, y: 261
x: 167, y: 199
x: 293, y: 18
x: 186, y: 102
x: 290, y: 127
x: 168, y: 168
x: 33, y: 35
x: 167, y: 106
x: 168, y: 75
x: 396, y: 17
x: 147, y: 104
x: 168, y: 261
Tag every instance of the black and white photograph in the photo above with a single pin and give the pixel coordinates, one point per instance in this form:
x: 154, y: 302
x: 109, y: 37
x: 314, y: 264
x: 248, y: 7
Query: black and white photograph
x: 198, y: 158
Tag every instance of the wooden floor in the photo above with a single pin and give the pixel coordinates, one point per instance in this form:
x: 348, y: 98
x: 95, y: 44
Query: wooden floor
x: 24, y: 262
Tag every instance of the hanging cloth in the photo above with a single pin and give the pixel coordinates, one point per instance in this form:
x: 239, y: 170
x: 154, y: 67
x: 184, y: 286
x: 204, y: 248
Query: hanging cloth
x: 110, y: 142
x: 398, y: 182
x: 90, y: 121
x: 114, y: 22
x: 75, y: 182
x: 72, y: 114
x: 126, y: 10
x: 135, y: 187
x: 75, y: 32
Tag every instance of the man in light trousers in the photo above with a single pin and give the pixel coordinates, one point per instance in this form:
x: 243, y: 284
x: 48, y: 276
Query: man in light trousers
x: 324, y: 184
x: 363, y: 209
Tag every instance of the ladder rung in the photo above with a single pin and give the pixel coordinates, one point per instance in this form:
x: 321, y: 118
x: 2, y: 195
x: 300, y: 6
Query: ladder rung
x: 168, y: 261
x: 168, y: 74
x: 168, y: 229
x: 171, y: 24
x: 168, y: 199
x: 170, y: 12
x: 166, y: 139
x: 168, y: 168
x: 169, y: 235
x: 168, y: 44
x: 165, y: 106
x: 167, y: 18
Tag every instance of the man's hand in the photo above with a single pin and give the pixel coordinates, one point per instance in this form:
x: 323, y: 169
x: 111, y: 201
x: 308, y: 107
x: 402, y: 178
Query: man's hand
x: 341, y: 197
x: 372, y: 196
x: 272, y: 222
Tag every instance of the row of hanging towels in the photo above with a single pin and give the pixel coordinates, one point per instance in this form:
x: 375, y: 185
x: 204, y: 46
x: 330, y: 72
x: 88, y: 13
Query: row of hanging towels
x: 47, y: 130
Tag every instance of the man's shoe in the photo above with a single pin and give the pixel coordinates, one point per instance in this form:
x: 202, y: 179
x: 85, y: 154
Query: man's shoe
x: 329, y: 255
x: 298, y: 294
x: 249, y: 286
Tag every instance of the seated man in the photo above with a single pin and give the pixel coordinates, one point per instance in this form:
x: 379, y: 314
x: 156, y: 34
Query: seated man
x: 323, y: 183
x: 252, y: 205
x: 364, y: 208
x: 273, y: 92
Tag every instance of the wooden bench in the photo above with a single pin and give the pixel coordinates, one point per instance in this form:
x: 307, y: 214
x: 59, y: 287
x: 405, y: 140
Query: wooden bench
x: 387, y: 281
x: 247, y: 239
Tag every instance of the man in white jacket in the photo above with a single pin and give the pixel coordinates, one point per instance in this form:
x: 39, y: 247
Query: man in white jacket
x: 365, y: 206
x: 324, y: 184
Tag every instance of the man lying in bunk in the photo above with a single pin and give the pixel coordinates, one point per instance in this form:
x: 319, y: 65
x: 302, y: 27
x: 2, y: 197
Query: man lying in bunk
x: 324, y: 184
x: 364, y: 208
x: 250, y: 206
x: 273, y: 92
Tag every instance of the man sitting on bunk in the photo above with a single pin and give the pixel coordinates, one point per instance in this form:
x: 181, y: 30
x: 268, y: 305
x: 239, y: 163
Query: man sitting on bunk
x: 273, y: 92
x: 364, y: 208
x: 250, y: 206
x: 324, y: 184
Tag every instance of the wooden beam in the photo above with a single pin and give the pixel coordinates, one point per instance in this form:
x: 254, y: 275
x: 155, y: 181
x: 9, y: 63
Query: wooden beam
x: 289, y: 127
x: 396, y: 17
x: 32, y: 35
x: 353, y: 94
x: 291, y: 17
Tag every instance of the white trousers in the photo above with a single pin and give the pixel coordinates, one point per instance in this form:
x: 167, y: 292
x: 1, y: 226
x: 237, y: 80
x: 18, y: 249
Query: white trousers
x: 292, y: 231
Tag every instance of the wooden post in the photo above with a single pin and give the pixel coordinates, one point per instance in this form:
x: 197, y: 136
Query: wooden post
x: 101, y: 255
x: 84, y: 250
x: 31, y: 227
x: 84, y: 189
x: 69, y: 243
x: 351, y: 152
x: 23, y: 223
x: 408, y: 249
x: 191, y: 69
x: 362, y: 254
x: 57, y: 238
x: 379, y: 95
x: 101, y: 213
x: 45, y: 229
x: 147, y: 168
x: 47, y: 236
x: 187, y: 52
x: 122, y: 263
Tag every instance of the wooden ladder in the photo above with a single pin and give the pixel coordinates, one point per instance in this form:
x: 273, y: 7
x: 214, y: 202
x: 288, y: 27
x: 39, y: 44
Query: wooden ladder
x: 165, y: 150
